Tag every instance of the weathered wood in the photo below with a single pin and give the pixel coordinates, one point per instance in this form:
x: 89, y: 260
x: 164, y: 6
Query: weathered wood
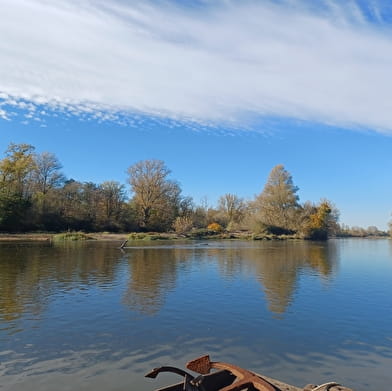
x: 124, y: 243
x: 230, y: 377
x: 280, y: 385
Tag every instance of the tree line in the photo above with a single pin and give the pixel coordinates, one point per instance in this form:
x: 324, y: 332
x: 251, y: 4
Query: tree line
x: 36, y: 196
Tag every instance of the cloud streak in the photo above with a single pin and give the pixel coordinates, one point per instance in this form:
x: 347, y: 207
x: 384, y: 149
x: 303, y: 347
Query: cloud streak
x: 221, y: 62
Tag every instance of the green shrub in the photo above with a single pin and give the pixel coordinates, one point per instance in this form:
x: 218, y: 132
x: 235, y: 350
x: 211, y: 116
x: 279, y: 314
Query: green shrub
x: 137, y: 236
x: 147, y: 236
x: 71, y: 236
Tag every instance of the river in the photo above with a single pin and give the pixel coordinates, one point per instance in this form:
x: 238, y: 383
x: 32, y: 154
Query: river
x: 89, y: 316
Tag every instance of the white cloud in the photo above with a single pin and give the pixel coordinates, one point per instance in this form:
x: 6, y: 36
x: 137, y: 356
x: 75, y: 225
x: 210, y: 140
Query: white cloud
x: 3, y: 115
x: 223, y: 61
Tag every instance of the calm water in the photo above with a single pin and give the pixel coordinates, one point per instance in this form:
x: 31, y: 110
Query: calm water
x: 91, y: 317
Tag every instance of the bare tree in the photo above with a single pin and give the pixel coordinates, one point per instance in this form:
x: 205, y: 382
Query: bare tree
x: 156, y: 197
x: 232, y: 207
x: 47, y: 173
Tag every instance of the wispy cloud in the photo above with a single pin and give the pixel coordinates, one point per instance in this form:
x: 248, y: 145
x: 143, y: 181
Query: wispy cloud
x: 222, y: 61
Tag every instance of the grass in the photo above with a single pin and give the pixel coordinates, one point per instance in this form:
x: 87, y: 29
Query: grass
x: 150, y: 236
x: 70, y: 236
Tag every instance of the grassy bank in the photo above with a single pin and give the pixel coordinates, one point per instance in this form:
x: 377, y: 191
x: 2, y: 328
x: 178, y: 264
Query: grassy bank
x: 71, y: 236
x: 145, y: 236
x: 207, y: 235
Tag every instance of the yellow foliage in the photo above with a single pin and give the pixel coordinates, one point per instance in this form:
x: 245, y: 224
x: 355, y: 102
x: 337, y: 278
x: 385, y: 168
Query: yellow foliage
x: 320, y: 218
x: 215, y: 227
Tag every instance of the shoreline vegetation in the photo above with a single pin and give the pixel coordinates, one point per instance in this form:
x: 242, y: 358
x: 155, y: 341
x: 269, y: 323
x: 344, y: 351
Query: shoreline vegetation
x: 154, y: 236
x: 35, y: 196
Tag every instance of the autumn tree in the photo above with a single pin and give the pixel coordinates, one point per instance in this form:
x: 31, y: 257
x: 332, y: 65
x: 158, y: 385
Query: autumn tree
x: 318, y: 222
x: 113, y: 197
x: 185, y: 220
x: 15, y: 186
x: 232, y: 208
x: 70, y: 204
x: 156, y: 198
x: 113, y: 210
x: 277, y: 205
x: 16, y: 169
x: 201, y: 214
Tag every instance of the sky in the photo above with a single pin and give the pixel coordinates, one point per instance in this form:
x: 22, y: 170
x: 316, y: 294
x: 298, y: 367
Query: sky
x: 221, y: 91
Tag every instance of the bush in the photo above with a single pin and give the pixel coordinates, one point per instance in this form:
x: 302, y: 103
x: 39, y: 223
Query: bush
x: 215, y: 227
x: 200, y: 233
x: 71, y: 236
x: 183, y: 224
x: 137, y: 236
x: 148, y: 236
x: 267, y: 229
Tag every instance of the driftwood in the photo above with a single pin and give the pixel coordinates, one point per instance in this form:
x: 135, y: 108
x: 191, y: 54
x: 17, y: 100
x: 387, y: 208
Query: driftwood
x: 124, y: 243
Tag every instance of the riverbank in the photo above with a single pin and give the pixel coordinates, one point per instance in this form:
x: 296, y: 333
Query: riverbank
x: 151, y: 236
x: 148, y: 236
x: 5, y: 237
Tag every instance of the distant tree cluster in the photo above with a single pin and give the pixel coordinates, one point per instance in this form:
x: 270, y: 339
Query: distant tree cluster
x: 35, y: 195
x: 372, y: 231
x: 277, y: 210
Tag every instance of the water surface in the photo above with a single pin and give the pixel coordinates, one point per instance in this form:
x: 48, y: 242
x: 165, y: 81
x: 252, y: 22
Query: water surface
x: 88, y: 316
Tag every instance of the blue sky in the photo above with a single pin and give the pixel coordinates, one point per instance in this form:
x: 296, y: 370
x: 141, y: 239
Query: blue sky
x: 221, y: 91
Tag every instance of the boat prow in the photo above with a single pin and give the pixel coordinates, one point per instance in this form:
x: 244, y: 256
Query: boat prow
x: 229, y: 377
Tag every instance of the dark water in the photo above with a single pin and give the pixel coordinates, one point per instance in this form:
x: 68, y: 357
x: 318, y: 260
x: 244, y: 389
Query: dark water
x: 90, y: 317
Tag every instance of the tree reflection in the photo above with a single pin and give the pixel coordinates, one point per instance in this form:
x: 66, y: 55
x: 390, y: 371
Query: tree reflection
x: 153, y: 273
x: 277, y: 266
x: 278, y: 270
x: 30, y: 274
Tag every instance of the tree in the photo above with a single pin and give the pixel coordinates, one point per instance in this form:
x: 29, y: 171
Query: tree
x: 47, y: 173
x: 155, y: 197
x: 390, y: 228
x: 113, y: 197
x: 16, y: 169
x: 46, y: 179
x: 13, y: 210
x: 232, y: 208
x: 15, y: 187
x: 277, y: 205
x: 112, y: 210
x: 70, y: 204
x: 319, y: 221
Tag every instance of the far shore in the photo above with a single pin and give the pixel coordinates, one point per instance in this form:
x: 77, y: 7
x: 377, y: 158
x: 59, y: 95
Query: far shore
x: 152, y: 236
x: 7, y: 237
x: 142, y: 236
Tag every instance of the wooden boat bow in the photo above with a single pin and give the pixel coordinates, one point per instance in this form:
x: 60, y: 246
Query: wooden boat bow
x: 244, y: 378
x: 229, y: 377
